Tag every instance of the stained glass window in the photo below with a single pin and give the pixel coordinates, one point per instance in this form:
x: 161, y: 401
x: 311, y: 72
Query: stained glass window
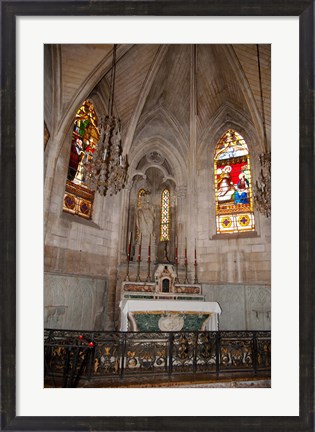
x: 165, y: 215
x: 233, y: 185
x: 78, y: 199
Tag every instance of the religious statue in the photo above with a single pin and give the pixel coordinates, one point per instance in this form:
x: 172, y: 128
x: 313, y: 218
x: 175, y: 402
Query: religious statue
x: 145, y: 216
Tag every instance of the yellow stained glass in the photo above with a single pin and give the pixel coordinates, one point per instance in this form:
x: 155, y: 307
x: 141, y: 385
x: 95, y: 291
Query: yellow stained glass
x: 165, y: 216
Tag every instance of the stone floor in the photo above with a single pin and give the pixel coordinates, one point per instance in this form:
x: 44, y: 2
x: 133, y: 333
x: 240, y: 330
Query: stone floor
x: 257, y: 383
x: 201, y: 381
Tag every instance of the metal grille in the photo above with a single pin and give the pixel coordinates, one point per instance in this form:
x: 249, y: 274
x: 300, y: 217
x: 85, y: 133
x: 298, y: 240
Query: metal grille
x: 72, y: 357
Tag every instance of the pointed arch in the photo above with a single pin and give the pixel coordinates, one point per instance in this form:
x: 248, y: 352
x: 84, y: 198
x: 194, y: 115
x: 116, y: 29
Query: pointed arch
x: 233, y: 185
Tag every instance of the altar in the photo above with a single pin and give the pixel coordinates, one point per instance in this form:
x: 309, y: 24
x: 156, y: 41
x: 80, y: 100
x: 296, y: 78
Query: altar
x: 166, y: 304
x: 170, y: 315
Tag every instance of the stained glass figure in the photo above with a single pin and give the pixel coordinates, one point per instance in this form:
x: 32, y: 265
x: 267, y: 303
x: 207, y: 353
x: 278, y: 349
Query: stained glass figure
x: 78, y: 198
x: 233, y: 189
x: 165, y: 215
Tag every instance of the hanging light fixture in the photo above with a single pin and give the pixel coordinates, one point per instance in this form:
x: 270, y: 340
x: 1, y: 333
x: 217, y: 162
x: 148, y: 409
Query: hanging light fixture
x: 262, y: 189
x: 106, y: 171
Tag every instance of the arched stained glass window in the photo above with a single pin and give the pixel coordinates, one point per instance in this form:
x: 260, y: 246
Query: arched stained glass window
x: 78, y: 199
x: 233, y: 185
x: 165, y: 215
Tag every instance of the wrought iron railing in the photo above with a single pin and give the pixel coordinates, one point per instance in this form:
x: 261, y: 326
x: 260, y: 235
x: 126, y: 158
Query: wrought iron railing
x: 72, y: 357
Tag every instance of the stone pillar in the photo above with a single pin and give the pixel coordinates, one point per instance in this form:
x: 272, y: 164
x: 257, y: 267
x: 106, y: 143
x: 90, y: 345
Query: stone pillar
x: 181, y: 220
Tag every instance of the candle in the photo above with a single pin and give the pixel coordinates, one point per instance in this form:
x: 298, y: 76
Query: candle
x: 139, y: 249
x: 129, y: 245
x: 176, y: 255
x: 195, y: 253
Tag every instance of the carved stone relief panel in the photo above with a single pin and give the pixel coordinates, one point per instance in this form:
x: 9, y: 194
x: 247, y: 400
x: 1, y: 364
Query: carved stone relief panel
x: 73, y: 302
x: 258, y: 300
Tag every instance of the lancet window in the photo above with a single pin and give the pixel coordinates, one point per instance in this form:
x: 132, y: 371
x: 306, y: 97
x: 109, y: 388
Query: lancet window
x: 233, y: 185
x: 165, y: 215
x: 78, y: 199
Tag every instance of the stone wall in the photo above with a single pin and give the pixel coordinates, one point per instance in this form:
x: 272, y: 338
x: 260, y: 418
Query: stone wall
x: 244, y: 307
x: 74, y: 302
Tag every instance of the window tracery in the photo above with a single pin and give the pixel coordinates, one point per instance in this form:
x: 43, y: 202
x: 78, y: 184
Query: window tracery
x: 233, y: 185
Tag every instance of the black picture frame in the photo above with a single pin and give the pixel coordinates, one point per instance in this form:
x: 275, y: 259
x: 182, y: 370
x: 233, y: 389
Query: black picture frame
x: 304, y: 9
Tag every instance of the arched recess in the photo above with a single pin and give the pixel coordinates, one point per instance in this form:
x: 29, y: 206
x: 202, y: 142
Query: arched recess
x: 154, y: 177
x: 161, y: 132
x: 57, y: 168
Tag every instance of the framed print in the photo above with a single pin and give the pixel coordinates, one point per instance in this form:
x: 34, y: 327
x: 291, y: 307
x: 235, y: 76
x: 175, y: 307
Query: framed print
x: 136, y: 142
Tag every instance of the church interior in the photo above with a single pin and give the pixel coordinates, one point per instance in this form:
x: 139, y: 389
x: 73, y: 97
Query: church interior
x: 157, y: 200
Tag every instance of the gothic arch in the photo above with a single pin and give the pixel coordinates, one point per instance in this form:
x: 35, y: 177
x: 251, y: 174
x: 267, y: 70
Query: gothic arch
x: 174, y: 157
x: 162, y: 115
x: 228, y: 117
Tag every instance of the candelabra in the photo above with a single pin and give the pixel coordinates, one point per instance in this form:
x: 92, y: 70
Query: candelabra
x: 262, y: 190
x: 106, y: 170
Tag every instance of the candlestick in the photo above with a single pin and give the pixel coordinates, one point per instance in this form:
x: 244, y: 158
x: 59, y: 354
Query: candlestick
x: 139, y: 248
x: 186, y: 263
x: 148, y: 279
x: 128, y: 256
x: 129, y: 245
x: 185, y: 253
x: 139, y: 259
x: 196, y: 278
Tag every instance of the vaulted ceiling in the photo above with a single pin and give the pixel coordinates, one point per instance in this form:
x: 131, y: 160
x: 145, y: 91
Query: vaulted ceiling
x: 155, y: 81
